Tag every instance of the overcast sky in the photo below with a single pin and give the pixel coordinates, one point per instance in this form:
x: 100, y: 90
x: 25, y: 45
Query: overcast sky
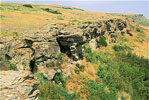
x: 114, y: 6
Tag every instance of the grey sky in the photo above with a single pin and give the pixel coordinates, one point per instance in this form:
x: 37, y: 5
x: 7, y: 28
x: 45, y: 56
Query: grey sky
x: 117, y: 6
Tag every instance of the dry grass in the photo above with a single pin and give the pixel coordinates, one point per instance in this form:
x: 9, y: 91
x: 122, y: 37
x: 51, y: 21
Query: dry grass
x: 22, y: 19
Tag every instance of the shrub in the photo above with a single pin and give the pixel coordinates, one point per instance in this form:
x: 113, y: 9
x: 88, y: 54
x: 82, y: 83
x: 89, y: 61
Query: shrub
x: 77, y: 71
x: 138, y: 29
x: 50, y: 64
x: 15, y: 34
x: 91, y: 56
x: 59, y: 57
x: 44, y: 58
x: 121, y: 48
x: 81, y: 67
x: 51, y: 11
x: 11, y: 66
x: 118, y: 48
x: 2, y: 16
x: 28, y: 5
x: 86, y: 22
x: 59, y: 78
x: 102, y: 42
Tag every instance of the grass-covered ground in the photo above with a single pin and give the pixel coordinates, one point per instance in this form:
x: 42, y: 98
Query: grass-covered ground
x: 118, y: 71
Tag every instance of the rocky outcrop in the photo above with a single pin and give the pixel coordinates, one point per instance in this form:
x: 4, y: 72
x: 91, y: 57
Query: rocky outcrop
x: 71, y: 45
x: 15, y: 85
x: 22, y: 52
x: 110, y: 27
x: 42, y: 50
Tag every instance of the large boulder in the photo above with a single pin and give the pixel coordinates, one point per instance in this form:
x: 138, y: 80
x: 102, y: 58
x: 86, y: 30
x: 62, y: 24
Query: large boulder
x: 15, y: 85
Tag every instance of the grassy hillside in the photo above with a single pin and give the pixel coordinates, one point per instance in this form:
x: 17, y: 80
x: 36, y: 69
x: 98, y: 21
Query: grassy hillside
x: 16, y: 17
x: 117, y: 71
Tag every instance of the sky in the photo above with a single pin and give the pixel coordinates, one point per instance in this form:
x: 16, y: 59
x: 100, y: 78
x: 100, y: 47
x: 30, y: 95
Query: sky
x: 111, y: 6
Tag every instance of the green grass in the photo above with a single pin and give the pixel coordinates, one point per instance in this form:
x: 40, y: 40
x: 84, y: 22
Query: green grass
x: 95, y: 91
x: 52, y: 91
x: 122, y: 72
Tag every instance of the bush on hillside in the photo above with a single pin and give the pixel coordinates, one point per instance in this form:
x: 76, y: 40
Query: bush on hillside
x: 51, y: 11
x: 138, y: 29
x: 121, y: 48
x: 28, y: 5
x: 102, y: 42
x: 81, y: 67
x: 76, y: 70
x: 59, y: 78
x: 2, y: 16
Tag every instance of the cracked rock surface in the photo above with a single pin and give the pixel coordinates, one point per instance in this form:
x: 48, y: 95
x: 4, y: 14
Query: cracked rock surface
x: 15, y: 85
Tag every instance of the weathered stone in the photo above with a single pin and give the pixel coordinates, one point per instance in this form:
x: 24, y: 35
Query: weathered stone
x: 71, y: 45
x: 47, y: 49
x: 17, y: 85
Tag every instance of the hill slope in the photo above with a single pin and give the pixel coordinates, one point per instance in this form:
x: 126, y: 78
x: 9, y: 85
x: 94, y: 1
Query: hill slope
x: 76, y: 54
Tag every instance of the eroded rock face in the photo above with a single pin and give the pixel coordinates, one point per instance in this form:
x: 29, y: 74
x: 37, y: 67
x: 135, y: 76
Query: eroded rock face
x: 15, y: 85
